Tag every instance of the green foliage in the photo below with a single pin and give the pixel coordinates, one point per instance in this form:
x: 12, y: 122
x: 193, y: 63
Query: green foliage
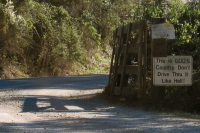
x: 186, y: 20
x: 55, y: 38
x: 13, y: 29
x: 187, y: 29
x: 59, y: 37
x: 47, y: 36
x: 51, y: 37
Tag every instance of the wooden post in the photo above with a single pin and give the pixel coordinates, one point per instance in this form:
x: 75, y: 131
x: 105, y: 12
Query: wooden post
x: 142, y: 58
x: 127, y: 45
x: 158, y: 49
x: 113, y: 54
x: 116, y: 60
x: 144, y: 62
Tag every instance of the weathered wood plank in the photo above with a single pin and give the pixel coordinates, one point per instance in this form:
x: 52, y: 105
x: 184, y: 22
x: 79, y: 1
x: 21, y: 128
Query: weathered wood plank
x: 135, y: 26
x: 116, y: 59
x: 125, y: 56
x: 117, y: 91
x: 132, y: 48
x: 138, y: 25
x: 130, y: 41
x: 129, y: 69
x: 119, y: 30
x: 126, y: 28
x: 113, y: 54
x: 127, y: 91
x: 159, y: 49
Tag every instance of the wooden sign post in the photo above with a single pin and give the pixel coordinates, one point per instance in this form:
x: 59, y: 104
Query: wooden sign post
x: 158, y: 49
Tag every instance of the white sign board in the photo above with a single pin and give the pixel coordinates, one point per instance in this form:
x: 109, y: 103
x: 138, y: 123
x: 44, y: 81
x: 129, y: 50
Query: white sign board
x: 163, y: 30
x: 172, y: 70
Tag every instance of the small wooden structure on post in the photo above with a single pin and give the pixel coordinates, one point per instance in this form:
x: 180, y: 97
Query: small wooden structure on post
x: 129, y: 60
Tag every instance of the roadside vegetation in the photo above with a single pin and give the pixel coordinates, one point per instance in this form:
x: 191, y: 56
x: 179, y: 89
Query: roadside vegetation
x: 60, y: 37
x: 186, y: 19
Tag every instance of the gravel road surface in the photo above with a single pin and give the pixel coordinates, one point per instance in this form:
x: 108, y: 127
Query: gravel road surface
x: 72, y: 104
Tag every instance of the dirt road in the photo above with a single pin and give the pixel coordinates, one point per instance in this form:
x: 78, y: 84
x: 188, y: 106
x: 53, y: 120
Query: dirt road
x: 72, y: 104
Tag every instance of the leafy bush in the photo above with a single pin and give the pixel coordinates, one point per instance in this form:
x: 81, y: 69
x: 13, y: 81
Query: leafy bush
x: 186, y: 20
x: 13, y: 29
x: 41, y: 38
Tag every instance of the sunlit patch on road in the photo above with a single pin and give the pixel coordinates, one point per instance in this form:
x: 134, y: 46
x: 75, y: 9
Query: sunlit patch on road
x: 74, y: 108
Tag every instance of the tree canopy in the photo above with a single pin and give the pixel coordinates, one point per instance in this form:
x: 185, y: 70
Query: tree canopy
x: 59, y: 37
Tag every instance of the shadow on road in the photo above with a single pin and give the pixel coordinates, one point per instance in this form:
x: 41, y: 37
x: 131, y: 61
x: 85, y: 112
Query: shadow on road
x: 84, y: 112
x: 95, y: 115
x: 58, y: 104
x: 30, y: 105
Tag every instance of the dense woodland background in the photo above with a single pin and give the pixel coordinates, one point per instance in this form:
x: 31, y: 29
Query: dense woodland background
x: 59, y: 37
